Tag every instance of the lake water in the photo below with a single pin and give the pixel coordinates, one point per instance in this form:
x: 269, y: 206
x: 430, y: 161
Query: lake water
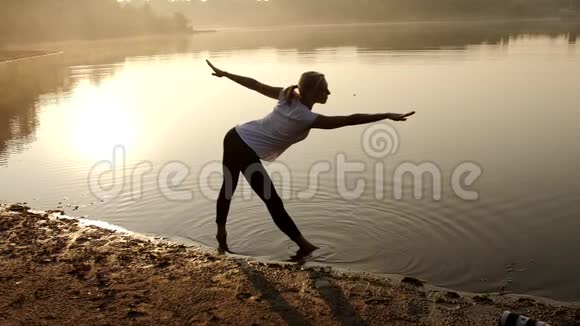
x: 500, y: 100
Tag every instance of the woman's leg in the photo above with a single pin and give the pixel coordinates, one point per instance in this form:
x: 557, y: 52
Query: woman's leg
x: 261, y: 183
x: 231, y: 173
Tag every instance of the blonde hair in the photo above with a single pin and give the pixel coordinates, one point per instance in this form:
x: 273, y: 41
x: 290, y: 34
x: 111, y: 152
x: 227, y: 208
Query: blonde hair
x: 309, y: 81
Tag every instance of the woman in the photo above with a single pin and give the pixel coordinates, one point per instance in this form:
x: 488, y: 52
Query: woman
x: 265, y: 139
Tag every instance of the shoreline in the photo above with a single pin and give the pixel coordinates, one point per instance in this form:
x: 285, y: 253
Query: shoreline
x: 62, y: 270
x: 493, y: 20
x: 16, y: 51
x: 24, y: 50
x: 7, y: 56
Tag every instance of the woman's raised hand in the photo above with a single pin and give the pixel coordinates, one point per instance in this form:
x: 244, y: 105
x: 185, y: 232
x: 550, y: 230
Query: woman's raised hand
x: 216, y: 72
x: 400, y: 116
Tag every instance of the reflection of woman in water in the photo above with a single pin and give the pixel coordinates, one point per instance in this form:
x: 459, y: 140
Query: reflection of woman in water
x: 265, y: 139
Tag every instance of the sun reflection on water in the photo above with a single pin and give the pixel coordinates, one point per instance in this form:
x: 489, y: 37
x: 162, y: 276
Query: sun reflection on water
x: 101, y: 117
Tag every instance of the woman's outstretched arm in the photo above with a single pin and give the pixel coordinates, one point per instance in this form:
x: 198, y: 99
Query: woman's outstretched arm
x: 333, y: 122
x: 273, y: 92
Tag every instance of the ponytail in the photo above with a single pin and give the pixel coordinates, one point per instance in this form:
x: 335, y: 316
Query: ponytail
x: 289, y: 93
x: 309, y: 82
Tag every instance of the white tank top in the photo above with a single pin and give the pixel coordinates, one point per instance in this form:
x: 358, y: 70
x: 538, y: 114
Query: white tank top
x: 285, y: 125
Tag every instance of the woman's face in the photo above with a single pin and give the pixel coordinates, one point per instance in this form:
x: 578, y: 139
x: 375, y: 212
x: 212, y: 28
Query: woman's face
x: 322, y: 92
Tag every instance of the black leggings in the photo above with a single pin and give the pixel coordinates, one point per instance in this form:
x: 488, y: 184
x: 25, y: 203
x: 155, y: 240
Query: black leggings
x: 239, y: 157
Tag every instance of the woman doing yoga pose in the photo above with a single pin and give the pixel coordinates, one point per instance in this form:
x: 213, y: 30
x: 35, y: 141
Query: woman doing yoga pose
x: 265, y: 139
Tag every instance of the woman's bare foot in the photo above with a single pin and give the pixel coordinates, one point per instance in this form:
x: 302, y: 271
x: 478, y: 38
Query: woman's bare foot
x: 221, y: 238
x: 305, y: 246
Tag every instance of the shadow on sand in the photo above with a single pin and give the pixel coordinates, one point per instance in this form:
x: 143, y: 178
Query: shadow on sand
x: 342, y: 310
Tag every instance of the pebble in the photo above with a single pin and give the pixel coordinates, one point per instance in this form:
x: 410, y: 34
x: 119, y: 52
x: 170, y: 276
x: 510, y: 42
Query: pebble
x: 322, y: 283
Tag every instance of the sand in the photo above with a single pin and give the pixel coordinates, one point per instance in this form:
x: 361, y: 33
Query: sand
x: 57, y: 271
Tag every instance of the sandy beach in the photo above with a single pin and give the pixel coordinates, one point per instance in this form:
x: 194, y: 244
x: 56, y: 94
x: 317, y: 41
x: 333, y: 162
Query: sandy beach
x: 56, y: 270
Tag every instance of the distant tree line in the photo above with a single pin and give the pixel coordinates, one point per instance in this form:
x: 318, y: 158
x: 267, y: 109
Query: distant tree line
x: 47, y: 20
x: 40, y: 20
x: 283, y: 12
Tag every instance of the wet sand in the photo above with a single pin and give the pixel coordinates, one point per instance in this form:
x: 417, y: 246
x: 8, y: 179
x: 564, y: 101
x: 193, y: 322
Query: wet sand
x: 65, y: 272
